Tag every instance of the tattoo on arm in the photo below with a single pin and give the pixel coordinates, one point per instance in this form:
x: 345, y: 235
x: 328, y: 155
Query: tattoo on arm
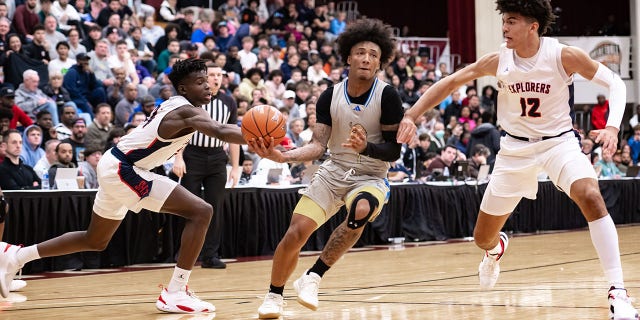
x: 315, y: 148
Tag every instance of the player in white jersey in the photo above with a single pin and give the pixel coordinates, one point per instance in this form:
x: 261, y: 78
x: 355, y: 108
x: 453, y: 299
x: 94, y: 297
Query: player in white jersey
x: 533, y: 76
x: 126, y: 184
x: 357, y: 121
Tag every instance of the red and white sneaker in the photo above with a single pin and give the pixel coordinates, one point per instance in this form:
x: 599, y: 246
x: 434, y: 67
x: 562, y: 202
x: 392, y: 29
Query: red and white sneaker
x: 620, y: 307
x: 182, y: 301
x: 489, y: 268
x: 8, y: 267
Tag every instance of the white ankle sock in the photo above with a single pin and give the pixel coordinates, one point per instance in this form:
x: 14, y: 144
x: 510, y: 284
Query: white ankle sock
x: 179, y: 279
x: 496, y: 250
x: 27, y: 254
x: 605, y: 240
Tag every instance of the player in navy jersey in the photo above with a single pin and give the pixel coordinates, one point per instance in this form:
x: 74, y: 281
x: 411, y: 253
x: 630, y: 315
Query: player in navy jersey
x: 126, y: 183
x: 534, y: 74
x: 357, y: 121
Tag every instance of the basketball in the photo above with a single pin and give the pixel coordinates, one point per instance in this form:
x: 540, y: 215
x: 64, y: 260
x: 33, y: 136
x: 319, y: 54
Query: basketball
x: 263, y: 121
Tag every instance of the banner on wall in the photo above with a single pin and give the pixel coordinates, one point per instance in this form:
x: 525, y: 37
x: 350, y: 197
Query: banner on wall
x: 613, y: 52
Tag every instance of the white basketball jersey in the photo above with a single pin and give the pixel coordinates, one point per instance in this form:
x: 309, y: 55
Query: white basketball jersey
x: 344, y: 115
x: 144, y: 148
x: 535, y: 103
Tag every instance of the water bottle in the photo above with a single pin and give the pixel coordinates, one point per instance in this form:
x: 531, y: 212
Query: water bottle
x: 445, y: 172
x: 45, y: 181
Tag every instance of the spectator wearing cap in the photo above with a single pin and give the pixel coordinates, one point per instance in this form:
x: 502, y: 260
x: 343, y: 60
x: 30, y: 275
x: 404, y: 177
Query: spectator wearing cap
x: 114, y: 26
x: 88, y: 168
x: 253, y: 80
x: 83, y: 86
x: 25, y: 18
x: 289, y: 100
x: 101, y: 126
x: 62, y: 62
x: 166, y: 91
x: 32, y: 100
x: 38, y: 49
x: 112, y: 37
x: 146, y: 105
x: 223, y: 36
x: 7, y: 102
x: 78, y: 132
x: 274, y: 28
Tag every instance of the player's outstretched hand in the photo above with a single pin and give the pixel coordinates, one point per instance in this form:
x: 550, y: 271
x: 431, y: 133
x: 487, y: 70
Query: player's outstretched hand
x: 407, y: 130
x: 607, y: 137
x: 266, y: 149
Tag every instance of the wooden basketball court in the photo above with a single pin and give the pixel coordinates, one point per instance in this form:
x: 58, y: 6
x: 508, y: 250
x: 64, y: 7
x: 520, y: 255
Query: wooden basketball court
x: 546, y: 276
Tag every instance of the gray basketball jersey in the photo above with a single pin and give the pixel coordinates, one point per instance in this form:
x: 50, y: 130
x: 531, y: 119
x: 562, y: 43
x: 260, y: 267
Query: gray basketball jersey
x: 344, y: 115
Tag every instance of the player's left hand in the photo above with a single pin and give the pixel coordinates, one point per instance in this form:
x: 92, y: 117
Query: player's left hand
x: 607, y: 137
x: 357, y: 139
x: 234, y: 176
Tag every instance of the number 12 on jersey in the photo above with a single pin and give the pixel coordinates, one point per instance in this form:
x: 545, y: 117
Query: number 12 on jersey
x: 532, y: 104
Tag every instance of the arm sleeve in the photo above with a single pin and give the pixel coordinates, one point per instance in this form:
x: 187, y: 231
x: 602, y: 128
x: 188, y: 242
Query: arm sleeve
x: 323, y: 107
x: 392, y: 113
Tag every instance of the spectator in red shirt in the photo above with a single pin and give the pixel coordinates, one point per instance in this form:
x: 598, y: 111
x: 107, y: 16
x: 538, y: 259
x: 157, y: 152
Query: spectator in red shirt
x: 25, y: 18
x: 600, y: 113
x: 7, y: 96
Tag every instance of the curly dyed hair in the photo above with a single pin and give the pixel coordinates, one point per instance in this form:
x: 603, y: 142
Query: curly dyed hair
x: 183, y: 68
x: 538, y: 10
x: 372, y: 30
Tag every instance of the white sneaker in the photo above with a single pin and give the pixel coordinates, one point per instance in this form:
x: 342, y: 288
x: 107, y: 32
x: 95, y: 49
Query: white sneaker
x: 271, y: 307
x: 620, y: 307
x: 16, y: 285
x: 489, y: 268
x: 182, y: 301
x: 8, y: 267
x: 307, y: 289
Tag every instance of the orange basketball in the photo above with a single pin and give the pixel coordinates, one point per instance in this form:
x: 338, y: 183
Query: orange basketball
x: 263, y: 121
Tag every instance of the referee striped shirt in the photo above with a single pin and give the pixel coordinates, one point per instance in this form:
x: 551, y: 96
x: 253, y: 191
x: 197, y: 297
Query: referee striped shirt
x: 223, y: 109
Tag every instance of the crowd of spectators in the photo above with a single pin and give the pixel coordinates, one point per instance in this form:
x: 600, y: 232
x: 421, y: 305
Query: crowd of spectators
x: 80, y: 74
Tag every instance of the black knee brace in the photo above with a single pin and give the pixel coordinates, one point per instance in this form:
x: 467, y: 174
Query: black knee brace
x: 351, y: 218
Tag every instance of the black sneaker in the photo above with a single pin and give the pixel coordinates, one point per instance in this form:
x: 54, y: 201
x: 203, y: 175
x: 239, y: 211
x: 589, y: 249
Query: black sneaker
x: 213, y: 263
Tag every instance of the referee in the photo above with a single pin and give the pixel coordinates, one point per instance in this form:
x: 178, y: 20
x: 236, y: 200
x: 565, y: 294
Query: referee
x: 206, y: 161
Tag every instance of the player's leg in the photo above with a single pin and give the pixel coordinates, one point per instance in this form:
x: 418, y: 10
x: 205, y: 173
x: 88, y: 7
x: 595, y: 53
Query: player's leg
x: 176, y: 297
x: 285, y: 258
x: 494, y: 212
x: 574, y: 174
x: 95, y: 238
x: 604, y: 236
x: 363, y: 204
